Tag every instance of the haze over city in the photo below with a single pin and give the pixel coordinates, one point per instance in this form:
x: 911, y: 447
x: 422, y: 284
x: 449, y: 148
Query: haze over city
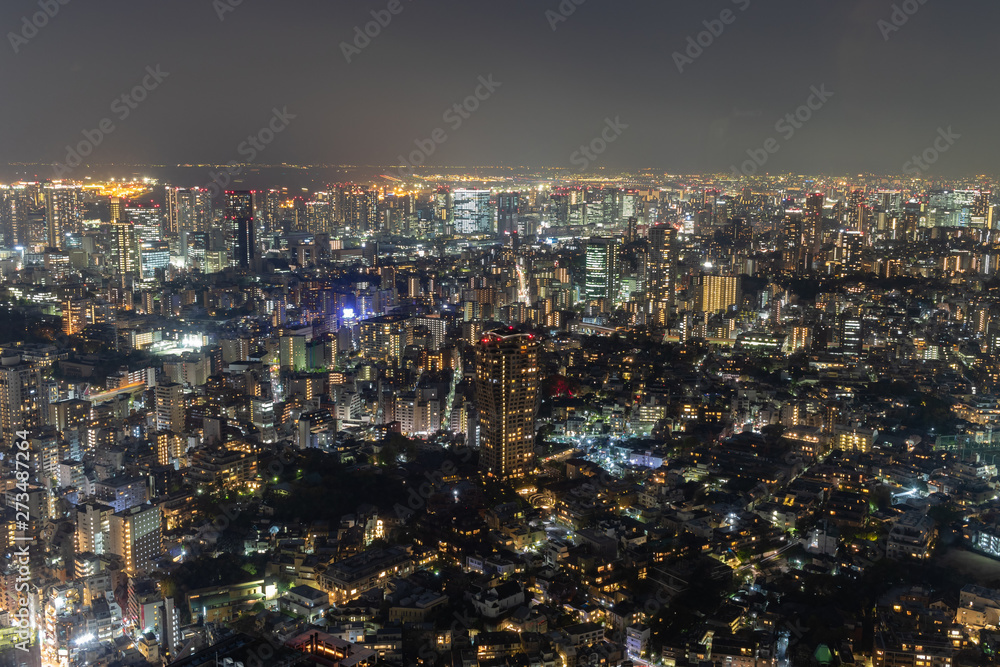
x: 549, y: 333
x: 230, y: 63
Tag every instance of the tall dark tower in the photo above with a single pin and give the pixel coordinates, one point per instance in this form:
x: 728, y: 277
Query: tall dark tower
x: 507, y: 391
x: 240, y: 227
x: 508, y: 212
x: 814, y: 220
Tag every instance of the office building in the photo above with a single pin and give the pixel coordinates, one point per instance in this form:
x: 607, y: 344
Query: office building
x: 153, y: 256
x: 472, y: 212
x: 240, y: 226
x: 147, y: 221
x: 508, y: 212
x: 603, y: 278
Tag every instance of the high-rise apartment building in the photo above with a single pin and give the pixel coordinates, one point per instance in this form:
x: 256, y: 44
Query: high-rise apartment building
x: 169, y: 407
x: 507, y: 394
x: 74, y: 315
x: 170, y: 447
x: 814, y: 220
x: 93, y: 528
x: 188, y: 210
x: 63, y: 212
x: 136, y: 537
x: 20, y: 397
x: 718, y: 293
x: 292, y: 352
x: 125, y: 247
x: 661, y: 269
x: 14, y: 205
x: 850, y: 247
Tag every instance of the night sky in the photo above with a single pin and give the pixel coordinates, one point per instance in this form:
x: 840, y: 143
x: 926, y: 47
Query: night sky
x: 609, y: 59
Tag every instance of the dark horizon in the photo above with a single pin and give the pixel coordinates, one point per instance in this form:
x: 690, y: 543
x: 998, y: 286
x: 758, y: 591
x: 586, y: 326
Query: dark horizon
x: 534, y: 82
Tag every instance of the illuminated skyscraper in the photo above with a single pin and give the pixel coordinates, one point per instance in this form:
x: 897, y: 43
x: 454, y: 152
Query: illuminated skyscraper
x: 13, y: 215
x: 850, y: 246
x: 851, y: 335
x: 507, y: 393
x: 115, y: 206
x: 443, y: 209
x: 153, y: 255
x: 508, y: 212
x: 188, y: 210
x: 814, y: 220
x: 74, y: 315
x: 195, y: 248
x: 352, y: 207
x: 913, y: 215
x: 472, y: 212
x: 856, y: 210
x: 172, y: 198
x: 125, y: 247
x: 319, y: 214
x: 662, y: 265
x: 63, y: 212
x: 631, y: 204
x: 240, y: 226
x: 603, y: 272
x: 147, y: 220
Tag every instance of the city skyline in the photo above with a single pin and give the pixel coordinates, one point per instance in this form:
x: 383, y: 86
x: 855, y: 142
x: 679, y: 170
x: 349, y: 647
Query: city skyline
x: 534, y: 333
